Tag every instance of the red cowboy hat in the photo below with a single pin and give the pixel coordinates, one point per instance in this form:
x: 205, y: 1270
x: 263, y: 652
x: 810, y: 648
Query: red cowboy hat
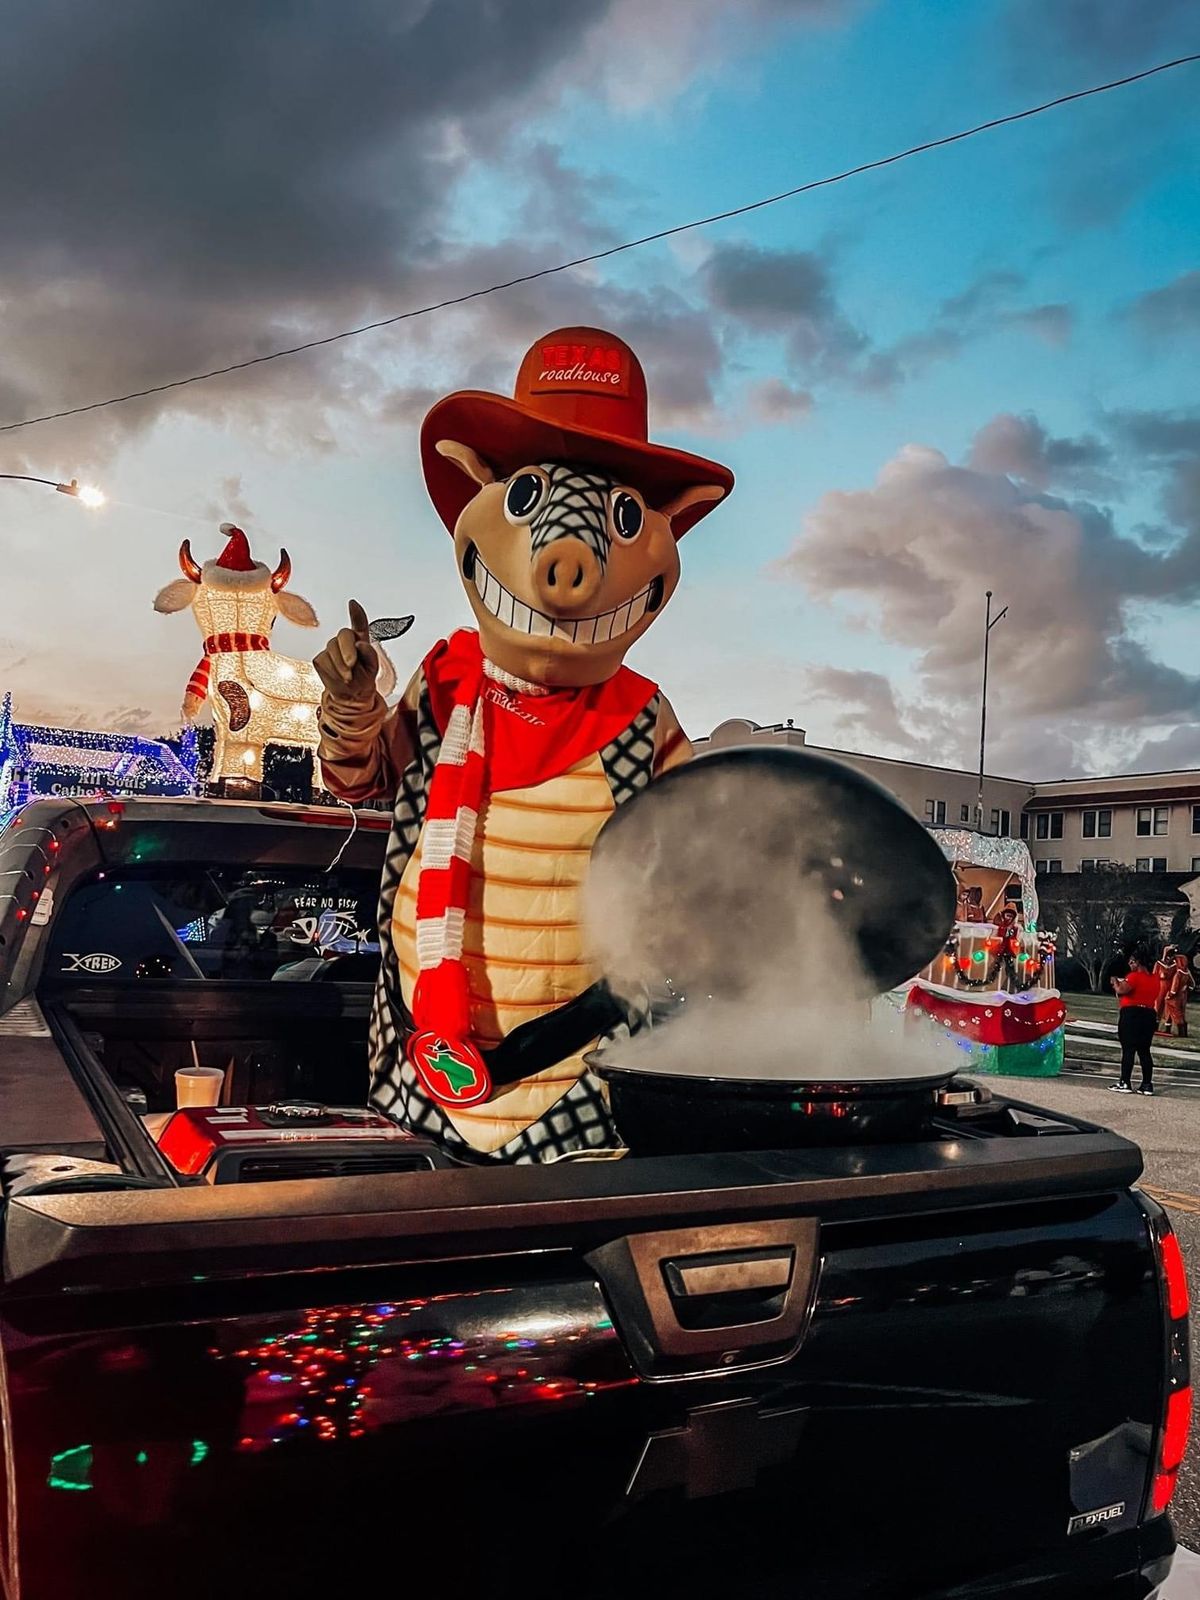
x: 580, y: 396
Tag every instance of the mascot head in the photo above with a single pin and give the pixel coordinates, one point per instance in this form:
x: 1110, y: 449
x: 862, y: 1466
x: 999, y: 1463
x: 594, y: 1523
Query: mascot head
x: 565, y: 517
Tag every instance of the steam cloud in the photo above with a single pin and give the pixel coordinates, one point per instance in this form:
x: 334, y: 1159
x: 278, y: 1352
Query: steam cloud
x: 763, y: 946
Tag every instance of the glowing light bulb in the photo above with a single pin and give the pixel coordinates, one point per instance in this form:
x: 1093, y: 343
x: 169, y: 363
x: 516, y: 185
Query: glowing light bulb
x: 90, y: 496
x: 286, y: 670
x: 256, y: 700
x: 299, y: 713
x: 248, y: 758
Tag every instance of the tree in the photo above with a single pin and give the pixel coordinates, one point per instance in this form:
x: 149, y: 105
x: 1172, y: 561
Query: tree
x: 1098, y: 915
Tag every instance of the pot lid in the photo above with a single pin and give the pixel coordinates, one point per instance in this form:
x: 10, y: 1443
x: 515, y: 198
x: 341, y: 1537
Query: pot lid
x: 752, y: 869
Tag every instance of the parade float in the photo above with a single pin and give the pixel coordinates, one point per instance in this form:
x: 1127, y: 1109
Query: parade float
x: 991, y: 987
x: 255, y: 696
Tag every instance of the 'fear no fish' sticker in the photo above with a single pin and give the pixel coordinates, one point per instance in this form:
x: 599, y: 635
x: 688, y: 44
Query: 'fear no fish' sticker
x: 451, y: 1071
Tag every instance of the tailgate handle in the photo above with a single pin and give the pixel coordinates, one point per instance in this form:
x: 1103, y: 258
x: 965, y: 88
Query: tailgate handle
x: 730, y: 1275
x: 696, y: 1301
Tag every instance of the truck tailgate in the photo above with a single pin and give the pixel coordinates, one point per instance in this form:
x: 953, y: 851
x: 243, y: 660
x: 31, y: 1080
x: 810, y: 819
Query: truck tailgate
x: 895, y: 1371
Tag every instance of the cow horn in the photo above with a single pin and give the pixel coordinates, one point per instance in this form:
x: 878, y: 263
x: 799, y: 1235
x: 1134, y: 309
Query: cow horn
x: 282, y: 572
x: 187, y: 562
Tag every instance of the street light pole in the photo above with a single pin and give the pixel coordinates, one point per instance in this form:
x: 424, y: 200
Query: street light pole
x: 83, y: 493
x: 989, y: 623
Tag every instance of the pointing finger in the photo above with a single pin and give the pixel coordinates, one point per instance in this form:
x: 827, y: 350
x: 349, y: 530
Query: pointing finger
x: 358, y: 619
x: 346, y: 647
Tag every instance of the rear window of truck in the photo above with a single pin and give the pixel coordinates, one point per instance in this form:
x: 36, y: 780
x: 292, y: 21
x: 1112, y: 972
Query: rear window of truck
x: 212, y: 922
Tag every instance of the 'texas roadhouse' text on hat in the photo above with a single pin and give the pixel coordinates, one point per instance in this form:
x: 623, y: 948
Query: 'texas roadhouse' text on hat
x: 582, y: 368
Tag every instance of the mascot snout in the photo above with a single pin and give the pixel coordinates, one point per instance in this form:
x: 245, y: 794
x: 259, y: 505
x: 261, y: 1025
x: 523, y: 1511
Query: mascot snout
x: 566, y: 576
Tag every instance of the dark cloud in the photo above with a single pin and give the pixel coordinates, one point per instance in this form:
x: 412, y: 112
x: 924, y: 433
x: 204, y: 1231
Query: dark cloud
x: 789, y: 293
x: 1168, y: 443
x: 191, y: 192
x: 1053, y: 323
x: 1096, y: 162
x: 1161, y: 435
x: 1021, y: 448
x: 774, y: 401
x: 229, y: 505
x: 866, y: 712
x: 985, y: 307
x: 792, y: 295
x: 1116, y: 33
x: 1171, y: 312
x: 919, y: 548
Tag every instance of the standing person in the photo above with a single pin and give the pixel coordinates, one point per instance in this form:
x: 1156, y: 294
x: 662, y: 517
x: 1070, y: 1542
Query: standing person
x: 1182, y: 984
x: 1138, y: 999
x: 1164, y: 972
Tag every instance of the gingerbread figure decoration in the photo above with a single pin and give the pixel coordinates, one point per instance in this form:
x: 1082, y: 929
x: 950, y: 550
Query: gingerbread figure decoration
x: 513, y: 743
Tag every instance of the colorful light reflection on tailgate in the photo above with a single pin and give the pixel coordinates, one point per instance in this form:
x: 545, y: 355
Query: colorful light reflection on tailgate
x: 344, y: 1371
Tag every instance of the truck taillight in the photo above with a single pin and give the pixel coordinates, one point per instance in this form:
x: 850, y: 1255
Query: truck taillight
x: 1177, y: 1415
x: 1174, y: 1276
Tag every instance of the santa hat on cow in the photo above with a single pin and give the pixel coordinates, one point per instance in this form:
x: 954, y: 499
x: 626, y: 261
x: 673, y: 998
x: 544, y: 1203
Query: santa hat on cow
x: 580, y: 396
x: 236, y: 568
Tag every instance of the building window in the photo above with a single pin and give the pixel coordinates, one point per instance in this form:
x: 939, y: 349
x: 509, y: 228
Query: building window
x: 1097, y: 824
x: 1049, y: 825
x: 1152, y: 863
x: 1047, y: 866
x: 1024, y: 825
x: 1152, y: 822
x: 1088, y: 864
x: 1196, y: 863
x: 1001, y: 823
x: 1196, y: 819
x: 935, y: 811
x: 964, y: 814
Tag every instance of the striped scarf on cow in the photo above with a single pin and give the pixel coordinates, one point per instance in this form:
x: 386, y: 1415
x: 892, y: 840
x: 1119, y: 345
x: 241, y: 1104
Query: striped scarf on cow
x: 196, y: 692
x: 440, y: 1050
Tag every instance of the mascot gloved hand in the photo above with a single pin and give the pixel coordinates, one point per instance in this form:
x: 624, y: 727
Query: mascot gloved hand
x: 512, y: 745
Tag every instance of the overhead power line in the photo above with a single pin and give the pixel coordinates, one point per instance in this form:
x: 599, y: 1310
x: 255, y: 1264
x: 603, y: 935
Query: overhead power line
x: 613, y: 250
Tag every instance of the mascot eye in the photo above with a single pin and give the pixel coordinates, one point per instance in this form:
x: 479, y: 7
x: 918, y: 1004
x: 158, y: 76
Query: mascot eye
x: 524, y: 495
x: 627, y: 515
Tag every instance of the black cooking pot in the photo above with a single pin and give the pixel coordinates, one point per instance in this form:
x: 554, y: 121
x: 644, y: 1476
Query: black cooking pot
x: 693, y: 891
x: 676, y: 1113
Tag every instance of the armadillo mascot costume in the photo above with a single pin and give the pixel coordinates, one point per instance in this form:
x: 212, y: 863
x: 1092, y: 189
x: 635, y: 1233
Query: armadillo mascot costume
x: 513, y: 744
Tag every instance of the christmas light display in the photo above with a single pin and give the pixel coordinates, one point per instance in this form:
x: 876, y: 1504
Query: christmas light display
x: 257, y: 696
x: 79, y: 761
x: 991, y: 988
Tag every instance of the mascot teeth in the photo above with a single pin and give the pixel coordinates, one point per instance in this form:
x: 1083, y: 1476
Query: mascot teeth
x: 514, y: 613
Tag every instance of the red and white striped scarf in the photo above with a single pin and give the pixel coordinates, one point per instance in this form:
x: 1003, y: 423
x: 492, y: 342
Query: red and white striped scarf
x: 196, y: 692
x: 441, y: 1051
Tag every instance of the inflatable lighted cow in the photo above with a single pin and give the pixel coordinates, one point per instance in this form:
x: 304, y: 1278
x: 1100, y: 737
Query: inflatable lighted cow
x: 258, y: 697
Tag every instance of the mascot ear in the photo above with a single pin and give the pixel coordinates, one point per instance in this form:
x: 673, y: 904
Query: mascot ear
x: 296, y: 609
x: 699, y: 494
x: 176, y: 596
x: 465, y: 458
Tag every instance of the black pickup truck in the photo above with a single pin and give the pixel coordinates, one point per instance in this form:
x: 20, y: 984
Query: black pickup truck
x: 277, y: 1348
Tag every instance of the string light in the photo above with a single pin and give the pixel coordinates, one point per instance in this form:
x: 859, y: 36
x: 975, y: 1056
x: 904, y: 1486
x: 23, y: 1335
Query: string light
x: 37, y: 759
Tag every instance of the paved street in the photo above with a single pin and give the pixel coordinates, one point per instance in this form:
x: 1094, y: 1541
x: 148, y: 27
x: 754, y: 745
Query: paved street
x: 1167, y: 1129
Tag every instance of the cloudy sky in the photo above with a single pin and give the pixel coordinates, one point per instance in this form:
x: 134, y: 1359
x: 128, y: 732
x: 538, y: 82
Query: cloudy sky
x: 972, y: 370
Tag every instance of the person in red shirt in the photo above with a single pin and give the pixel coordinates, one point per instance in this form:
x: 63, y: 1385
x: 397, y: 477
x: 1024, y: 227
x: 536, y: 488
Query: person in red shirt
x: 1137, y: 996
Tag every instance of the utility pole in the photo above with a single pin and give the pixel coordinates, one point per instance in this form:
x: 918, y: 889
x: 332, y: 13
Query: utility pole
x: 989, y: 624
